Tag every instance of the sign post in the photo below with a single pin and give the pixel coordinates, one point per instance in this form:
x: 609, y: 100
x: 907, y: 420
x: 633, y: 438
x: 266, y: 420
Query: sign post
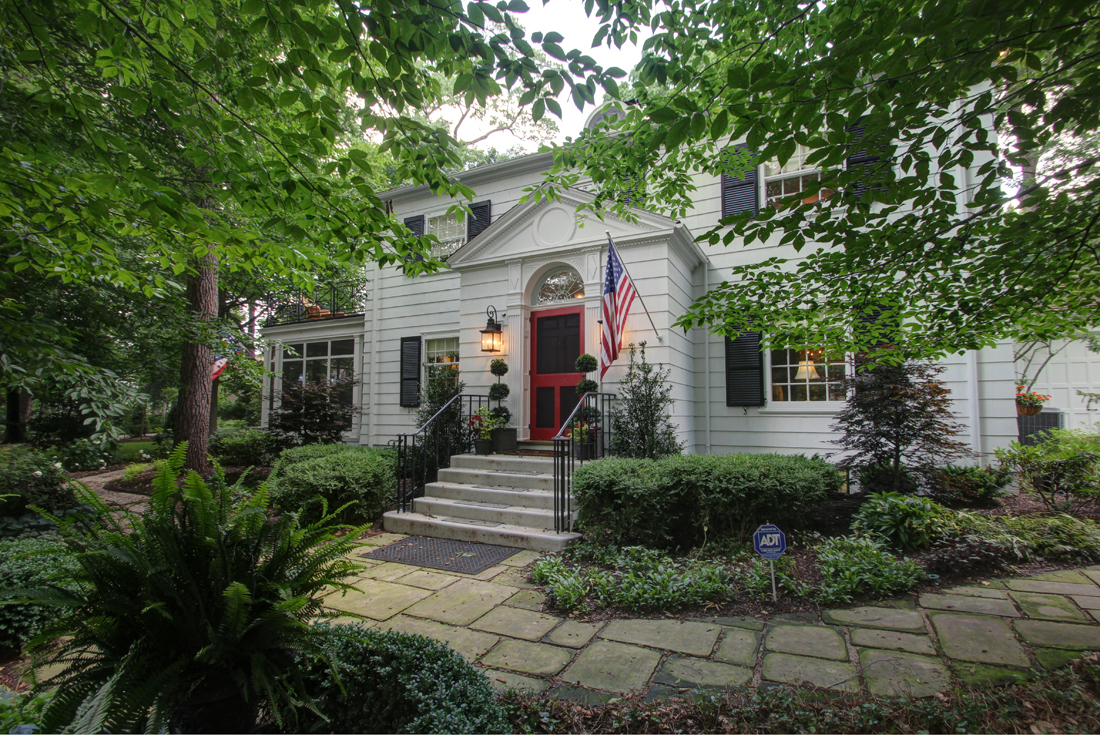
x: 770, y: 543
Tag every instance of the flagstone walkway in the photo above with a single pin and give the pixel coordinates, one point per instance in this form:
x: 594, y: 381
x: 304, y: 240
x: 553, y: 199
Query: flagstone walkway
x: 991, y: 633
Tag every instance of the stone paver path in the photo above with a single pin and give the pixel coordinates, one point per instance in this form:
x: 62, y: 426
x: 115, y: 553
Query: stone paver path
x: 992, y: 633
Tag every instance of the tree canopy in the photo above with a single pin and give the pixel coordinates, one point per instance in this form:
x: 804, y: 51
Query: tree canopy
x: 973, y: 215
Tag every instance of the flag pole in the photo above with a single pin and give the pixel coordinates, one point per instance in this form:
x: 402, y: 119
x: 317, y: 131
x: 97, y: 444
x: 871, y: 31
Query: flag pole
x: 640, y: 299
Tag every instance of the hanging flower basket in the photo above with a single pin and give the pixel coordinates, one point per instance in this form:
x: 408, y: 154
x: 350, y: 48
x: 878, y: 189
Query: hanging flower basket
x: 1028, y: 402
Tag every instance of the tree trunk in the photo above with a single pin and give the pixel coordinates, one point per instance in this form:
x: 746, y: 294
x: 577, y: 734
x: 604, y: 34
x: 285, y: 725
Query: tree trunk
x: 18, y: 416
x: 193, y: 404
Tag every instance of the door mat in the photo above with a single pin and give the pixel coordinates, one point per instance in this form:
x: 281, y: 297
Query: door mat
x: 463, y: 557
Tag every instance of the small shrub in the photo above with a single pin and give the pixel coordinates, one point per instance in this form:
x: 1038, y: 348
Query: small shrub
x: 85, y: 454
x: 360, y: 476
x: 1063, y: 471
x: 686, y: 499
x: 641, y: 426
x: 25, y: 564
x: 881, y: 478
x: 27, y: 478
x: 860, y: 566
x: 133, y: 470
x: 904, y: 522
x: 247, y: 448
x: 315, y: 412
x: 1061, y: 537
x: 396, y: 682
x: 966, y: 486
x: 19, y: 713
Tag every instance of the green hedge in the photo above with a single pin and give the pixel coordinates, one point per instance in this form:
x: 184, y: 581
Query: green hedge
x: 28, y: 477
x: 679, y: 500
x: 396, y: 682
x: 29, y: 563
x: 339, y: 474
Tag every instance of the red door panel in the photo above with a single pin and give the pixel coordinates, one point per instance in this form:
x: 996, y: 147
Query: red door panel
x: 557, y: 340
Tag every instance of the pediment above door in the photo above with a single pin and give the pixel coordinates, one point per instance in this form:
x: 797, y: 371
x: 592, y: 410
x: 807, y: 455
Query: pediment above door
x: 538, y: 229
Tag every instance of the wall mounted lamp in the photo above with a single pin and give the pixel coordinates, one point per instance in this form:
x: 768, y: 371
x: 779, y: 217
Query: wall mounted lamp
x: 491, y: 336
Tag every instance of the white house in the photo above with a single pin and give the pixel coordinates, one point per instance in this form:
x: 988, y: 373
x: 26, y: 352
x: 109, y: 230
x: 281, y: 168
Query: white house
x: 542, y: 271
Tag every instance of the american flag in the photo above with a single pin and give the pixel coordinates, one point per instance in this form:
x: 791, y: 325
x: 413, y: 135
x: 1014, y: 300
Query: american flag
x: 618, y: 295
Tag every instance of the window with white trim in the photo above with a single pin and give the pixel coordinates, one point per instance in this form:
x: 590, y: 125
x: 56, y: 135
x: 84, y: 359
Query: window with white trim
x: 320, y: 361
x: 781, y: 181
x: 441, y: 355
x: 807, y: 376
x: 449, y: 231
x: 560, y: 284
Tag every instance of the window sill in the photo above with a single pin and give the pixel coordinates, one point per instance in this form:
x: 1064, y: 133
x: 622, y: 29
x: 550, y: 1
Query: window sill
x: 802, y: 408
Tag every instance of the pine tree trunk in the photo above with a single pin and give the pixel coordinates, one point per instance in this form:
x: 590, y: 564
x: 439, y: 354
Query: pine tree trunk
x: 193, y: 405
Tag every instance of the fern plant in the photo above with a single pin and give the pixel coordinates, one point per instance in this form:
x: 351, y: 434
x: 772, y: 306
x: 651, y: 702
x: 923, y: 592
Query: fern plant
x: 188, y: 617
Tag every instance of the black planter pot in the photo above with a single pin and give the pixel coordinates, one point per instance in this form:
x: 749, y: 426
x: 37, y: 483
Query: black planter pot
x: 483, y: 446
x: 504, y: 440
x: 585, y: 452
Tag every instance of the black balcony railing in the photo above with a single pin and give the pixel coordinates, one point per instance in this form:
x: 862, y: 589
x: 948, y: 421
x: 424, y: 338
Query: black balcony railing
x: 585, y: 435
x: 331, y: 301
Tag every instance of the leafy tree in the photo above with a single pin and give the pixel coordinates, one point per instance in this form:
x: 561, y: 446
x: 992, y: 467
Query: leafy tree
x: 315, y: 412
x: 897, y: 421
x: 640, y: 424
x: 158, y: 146
x: 959, y: 233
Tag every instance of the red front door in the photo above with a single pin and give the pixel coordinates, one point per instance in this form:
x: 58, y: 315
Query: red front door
x: 557, y: 340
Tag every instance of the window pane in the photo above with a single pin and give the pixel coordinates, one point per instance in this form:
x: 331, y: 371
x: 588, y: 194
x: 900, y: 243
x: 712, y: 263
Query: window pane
x: 441, y: 350
x: 798, y: 392
x: 316, y: 349
x: 293, y: 351
x: 836, y: 392
x: 779, y: 357
x: 343, y: 347
x: 779, y: 393
x: 342, y: 367
x: 836, y: 372
x: 560, y: 286
x: 779, y: 375
x: 292, y: 371
x: 316, y: 370
x: 817, y: 391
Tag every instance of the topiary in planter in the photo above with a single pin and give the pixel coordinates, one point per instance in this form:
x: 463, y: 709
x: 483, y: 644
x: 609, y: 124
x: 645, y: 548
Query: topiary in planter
x: 498, y: 368
x: 499, y: 391
x: 396, y: 682
x: 585, y: 364
x: 587, y: 386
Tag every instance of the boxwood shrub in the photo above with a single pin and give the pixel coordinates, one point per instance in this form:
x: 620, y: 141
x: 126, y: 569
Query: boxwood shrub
x: 396, y: 682
x: 680, y: 500
x: 337, y: 473
x: 29, y: 563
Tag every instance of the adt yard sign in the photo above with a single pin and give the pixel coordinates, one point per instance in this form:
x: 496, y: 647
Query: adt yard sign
x: 769, y: 541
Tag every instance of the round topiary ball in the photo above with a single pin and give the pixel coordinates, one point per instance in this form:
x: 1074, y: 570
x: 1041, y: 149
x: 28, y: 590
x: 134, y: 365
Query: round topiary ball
x: 587, y: 386
x: 501, y: 413
x: 498, y: 368
x: 499, y: 391
x: 585, y: 363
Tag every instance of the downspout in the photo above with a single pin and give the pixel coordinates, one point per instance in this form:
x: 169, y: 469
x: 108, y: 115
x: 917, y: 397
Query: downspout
x: 975, y: 403
x: 706, y: 352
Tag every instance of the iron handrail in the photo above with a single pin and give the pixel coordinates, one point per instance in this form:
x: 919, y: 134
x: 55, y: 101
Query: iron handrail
x: 567, y: 450
x: 422, y: 453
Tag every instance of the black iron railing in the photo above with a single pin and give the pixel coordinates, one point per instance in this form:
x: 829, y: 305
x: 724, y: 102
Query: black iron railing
x: 584, y: 436
x: 421, y: 454
x: 333, y: 301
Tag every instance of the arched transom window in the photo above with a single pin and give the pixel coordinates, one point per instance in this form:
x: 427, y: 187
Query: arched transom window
x: 560, y: 284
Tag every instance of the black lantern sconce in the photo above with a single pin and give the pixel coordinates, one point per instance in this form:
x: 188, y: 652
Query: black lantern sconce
x: 491, y: 336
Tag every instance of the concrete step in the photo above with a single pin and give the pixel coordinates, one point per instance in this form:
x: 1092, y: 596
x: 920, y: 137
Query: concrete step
x: 527, y: 498
x: 509, y: 515
x: 418, y: 524
x: 498, y: 478
x: 504, y: 463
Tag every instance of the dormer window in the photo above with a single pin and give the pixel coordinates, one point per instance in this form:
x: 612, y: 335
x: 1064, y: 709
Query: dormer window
x: 449, y: 231
x: 781, y: 182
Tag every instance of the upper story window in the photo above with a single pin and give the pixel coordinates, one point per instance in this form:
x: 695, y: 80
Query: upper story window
x: 451, y: 233
x: 794, y: 176
x: 807, y: 375
x: 560, y: 284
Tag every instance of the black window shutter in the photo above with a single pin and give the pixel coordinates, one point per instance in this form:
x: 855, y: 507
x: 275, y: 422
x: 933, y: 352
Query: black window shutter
x: 480, y: 218
x: 871, y: 317
x: 744, y: 370
x: 410, y: 372
x: 739, y: 195
x: 863, y: 160
x: 417, y: 225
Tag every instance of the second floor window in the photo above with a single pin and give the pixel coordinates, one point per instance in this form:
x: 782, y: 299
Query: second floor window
x: 781, y: 182
x: 449, y: 231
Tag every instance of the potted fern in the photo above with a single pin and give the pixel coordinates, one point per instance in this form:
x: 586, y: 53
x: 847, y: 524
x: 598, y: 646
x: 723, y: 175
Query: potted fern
x: 503, y: 436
